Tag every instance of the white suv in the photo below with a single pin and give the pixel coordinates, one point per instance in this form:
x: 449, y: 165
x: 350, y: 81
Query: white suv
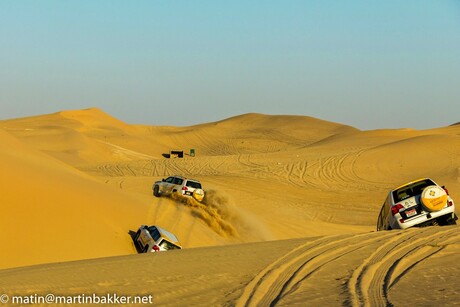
x: 155, y: 239
x: 418, y: 203
x: 180, y: 186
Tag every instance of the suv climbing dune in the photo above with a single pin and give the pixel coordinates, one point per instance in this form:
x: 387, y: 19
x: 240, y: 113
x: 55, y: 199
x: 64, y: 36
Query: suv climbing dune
x: 418, y: 203
x: 180, y: 186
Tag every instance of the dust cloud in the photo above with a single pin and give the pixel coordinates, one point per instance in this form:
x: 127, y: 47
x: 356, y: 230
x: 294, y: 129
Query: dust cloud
x: 224, y: 218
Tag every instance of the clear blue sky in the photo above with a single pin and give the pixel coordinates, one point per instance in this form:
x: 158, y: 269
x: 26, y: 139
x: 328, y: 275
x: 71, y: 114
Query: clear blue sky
x: 369, y: 64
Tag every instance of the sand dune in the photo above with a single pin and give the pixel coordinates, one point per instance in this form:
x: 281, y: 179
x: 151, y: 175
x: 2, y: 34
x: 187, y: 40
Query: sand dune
x: 289, y: 216
x: 53, y: 212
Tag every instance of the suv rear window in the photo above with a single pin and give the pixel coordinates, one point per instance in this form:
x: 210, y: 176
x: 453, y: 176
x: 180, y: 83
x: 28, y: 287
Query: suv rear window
x: 410, y: 190
x: 193, y: 184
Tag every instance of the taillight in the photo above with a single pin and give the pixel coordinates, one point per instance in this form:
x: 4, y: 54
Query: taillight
x: 156, y: 248
x: 449, y: 203
x: 445, y: 189
x: 396, y: 208
x: 184, y: 188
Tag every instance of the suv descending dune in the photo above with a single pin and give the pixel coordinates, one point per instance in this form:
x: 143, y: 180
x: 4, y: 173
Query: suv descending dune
x: 155, y: 239
x: 418, y: 203
x: 180, y: 186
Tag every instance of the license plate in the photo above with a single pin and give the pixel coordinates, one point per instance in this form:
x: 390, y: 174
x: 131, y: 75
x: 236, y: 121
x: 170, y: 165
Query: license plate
x: 411, y: 212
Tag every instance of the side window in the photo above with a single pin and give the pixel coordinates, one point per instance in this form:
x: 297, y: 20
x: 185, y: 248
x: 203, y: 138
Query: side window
x: 169, y: 179
x: 178, y: 181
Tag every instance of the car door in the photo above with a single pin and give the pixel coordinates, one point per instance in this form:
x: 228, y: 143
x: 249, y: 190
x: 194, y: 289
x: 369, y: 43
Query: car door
x: 167, y: 185
x: 177, y: 184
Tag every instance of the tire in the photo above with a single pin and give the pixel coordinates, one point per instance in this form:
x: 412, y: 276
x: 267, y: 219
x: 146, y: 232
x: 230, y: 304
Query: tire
x: 198, y: 194
x: 156, y: 191
x: 433, y: 198
x: 177, y: 194
x: 146, y: 249
x: 449, y: 220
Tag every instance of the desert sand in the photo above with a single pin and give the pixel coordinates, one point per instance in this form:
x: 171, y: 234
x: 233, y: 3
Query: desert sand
x: 289, y: 216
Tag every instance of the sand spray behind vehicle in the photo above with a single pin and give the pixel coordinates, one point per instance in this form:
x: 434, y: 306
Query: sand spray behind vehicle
x: 224, y: 218
x: 213, y: 211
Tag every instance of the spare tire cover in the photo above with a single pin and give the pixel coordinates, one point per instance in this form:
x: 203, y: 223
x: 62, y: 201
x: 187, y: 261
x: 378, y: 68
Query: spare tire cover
x: 433, y: 198
x: 198, y: 194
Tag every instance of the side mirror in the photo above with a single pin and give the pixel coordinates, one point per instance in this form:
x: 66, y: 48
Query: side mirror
x: 163, y: 180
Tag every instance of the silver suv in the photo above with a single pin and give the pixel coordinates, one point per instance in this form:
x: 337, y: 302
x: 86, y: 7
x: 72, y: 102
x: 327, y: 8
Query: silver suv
x: 180, y: 186
x: 155, y: 239
x: 418, y: 203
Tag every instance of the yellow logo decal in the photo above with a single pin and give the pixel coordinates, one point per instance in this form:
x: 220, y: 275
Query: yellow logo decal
x: 432, y: 193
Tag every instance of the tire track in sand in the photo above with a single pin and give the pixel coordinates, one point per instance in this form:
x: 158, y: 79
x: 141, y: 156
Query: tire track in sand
x: 371, y: 281
x: 340, y: 170
x: 285, y: 275
x: 324, y: 172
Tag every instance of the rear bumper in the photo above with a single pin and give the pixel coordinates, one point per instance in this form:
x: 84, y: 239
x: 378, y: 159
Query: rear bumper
x: 187, y: 193
x: 421, y: 218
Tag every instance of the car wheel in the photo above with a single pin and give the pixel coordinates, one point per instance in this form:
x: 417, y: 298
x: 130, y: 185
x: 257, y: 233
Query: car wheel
x: 156, y: 191
x: 449, y: 220
x: 176, y: 193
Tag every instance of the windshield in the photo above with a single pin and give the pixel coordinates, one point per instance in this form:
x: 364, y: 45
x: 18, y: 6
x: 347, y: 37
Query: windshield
x: 154, y: 233
x: 410, y: 190
x: 168, y: 245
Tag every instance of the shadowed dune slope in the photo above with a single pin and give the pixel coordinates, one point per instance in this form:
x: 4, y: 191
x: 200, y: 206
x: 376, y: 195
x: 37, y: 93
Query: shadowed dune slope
x: 52, y: 212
